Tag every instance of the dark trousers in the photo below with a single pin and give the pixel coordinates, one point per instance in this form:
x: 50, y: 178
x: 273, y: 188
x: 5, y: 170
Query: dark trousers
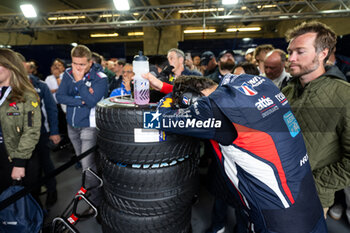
x: 62, y: 122
x: 45, y: 161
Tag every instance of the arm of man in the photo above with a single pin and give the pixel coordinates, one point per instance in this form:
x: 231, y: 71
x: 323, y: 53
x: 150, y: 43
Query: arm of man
x: 52, y: 84
x: 336, y: 176
x: 63, y: 96
x: 99, y: 87
x: 157, y: 84
x: 52, y: 113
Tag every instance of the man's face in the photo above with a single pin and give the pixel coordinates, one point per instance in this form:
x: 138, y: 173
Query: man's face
x: 118, y: 68
x: 59, y: 66
x: 248, y: 57
x: 81, y: 64
x: 189, y: 62
x: 174, y: 60
x: 273, y: 66
x: 260, y: 60
x: 30, y: 66
x: 203, y: 68
x: 303, y: 57
x: 55, y: 71
x: 103, y: 62
x: 196, y: 61
x: 227, y: 62
x: 110, y: 65
x: 127, y: 72
x: 211, y: 64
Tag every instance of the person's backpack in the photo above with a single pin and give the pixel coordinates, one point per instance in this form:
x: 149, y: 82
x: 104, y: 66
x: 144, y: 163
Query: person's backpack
x: 24, y: 215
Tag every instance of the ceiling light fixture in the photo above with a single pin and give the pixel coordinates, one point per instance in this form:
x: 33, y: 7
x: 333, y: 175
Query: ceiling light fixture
x: 251, y: 29
x: 199, y: 31
x: 229, y: 2
x: 109, y: 15
x: 5, y: 46
x: 135, y: 33
x: 121, y: 5
x: 266, y: 6
x: 28, y: 10
x: 67, y: 17
x: 201, y: 10
x: 104, y: 35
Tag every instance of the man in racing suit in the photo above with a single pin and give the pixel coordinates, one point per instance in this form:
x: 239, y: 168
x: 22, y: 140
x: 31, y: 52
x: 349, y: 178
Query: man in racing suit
x: 258, y: 143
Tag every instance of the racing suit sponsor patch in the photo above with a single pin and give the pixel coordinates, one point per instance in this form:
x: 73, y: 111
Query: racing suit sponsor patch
x: 291, y: 123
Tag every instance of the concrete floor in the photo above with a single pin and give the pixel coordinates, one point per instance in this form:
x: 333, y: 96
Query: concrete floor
x: 68, y: 183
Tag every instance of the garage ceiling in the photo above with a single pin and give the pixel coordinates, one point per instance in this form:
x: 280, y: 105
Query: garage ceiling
x: 12, y: 6
x: 76, y: 19
x: 94, y: 14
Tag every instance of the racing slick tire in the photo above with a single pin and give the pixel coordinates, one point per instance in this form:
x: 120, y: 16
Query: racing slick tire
x: 150, y: 191
x: 114, y: 220
x: 116, y: 124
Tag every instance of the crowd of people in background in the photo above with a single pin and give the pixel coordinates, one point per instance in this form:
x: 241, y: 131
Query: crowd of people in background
x: 310, y: 73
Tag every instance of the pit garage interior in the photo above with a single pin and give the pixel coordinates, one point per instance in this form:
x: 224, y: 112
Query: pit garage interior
x: 155, y: 26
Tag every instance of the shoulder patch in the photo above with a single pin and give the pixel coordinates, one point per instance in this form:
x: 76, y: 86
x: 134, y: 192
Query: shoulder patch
x: 35, y: 104
x: 101, y: 75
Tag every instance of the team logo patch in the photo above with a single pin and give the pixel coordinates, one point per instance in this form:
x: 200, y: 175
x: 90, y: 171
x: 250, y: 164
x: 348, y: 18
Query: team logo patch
x: 151, y: 120
x: 34, y: 104
x: 291, y: 123
x: 13, y: 113
x: 281, y: 98
x: 14, y: 105
x: 185, y: 100
x: 171, y: 78
x: 88, y: 84
x: 246, y: 89
x: 266, y: 106
x: 167, y: 103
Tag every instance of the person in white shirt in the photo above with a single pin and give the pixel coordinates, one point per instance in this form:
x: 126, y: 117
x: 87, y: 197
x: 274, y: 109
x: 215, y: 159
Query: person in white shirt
x: 53, y: 81
x: 274, y: 66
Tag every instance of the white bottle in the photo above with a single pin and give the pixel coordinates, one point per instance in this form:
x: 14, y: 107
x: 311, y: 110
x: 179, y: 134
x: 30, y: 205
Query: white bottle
x: 141, y: 86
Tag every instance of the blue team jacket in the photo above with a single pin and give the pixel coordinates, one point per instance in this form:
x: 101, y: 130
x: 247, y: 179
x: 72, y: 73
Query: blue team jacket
x: 49, y: 112
x: 267, y: 163
x: 72, y: 93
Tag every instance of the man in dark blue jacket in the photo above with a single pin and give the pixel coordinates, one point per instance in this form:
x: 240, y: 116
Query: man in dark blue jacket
x: 258, y: 144
x: 81, y: 88
x: 49, y: 131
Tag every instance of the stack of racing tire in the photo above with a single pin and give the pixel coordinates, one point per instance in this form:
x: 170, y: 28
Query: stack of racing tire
x: 150, y: 177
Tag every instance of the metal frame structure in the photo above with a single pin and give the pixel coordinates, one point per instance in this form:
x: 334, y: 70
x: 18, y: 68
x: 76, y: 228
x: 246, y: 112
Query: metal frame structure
x: 166, y: 15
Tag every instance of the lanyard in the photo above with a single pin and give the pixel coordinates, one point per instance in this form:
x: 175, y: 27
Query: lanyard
x: 7, y: 92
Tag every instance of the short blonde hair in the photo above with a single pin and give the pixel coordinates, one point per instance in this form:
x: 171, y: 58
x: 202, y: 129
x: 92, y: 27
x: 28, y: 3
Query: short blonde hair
x: 81, y: 51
